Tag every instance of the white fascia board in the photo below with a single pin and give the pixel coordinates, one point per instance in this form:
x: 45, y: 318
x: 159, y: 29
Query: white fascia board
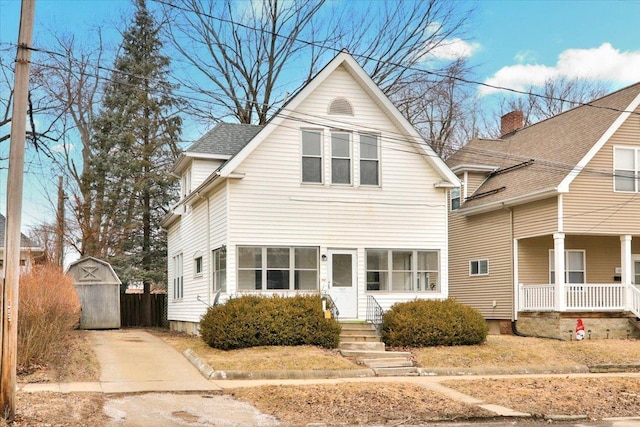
x: 466, y: 167
x: 566, y: 182
x: 187, y: 157
x: 518, y: 200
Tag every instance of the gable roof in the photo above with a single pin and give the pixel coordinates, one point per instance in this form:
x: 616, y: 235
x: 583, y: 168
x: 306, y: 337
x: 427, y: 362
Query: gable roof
x: 543, y: 159
x: 25, y: 242
x: 357, y: 72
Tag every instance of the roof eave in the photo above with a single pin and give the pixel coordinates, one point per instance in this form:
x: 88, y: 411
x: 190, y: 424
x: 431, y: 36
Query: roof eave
x: 513, y: 201
x: 467, y: 167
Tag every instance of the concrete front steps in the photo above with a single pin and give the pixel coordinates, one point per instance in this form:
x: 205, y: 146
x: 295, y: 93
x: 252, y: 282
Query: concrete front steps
x: 360, y: 341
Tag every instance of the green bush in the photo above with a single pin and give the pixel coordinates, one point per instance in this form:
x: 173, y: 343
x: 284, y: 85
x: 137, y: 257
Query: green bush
x: 252, y: 321
x: 424, y: 323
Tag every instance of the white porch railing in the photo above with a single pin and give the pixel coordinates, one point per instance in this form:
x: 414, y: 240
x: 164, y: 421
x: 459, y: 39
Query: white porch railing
x: 580, y: 297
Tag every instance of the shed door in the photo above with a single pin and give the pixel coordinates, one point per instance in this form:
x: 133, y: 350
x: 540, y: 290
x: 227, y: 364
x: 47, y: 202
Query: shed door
x: 343, y: 280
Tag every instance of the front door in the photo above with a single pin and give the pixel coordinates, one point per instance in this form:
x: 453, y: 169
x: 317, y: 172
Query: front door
x: 342, y: 282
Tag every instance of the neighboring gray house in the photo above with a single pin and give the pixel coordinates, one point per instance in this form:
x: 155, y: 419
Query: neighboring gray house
x: 29, y: 252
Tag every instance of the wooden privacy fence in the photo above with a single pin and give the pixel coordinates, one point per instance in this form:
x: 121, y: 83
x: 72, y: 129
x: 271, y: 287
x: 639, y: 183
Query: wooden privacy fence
x: 131, y: 311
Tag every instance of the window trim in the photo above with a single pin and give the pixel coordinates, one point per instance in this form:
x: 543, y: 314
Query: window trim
x: 350, y: 158
x: 303, y: 156
x: 216, y: 256
x: 566, y: 265
x: 478, y: 262
x: 264, y: 268
x: 415, y: 271
x: 178, y: 276
x: 635, y: 171
x: 361, y: 159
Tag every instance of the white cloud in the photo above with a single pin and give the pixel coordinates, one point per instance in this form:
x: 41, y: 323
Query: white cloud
x: 604, y: 63
x: 60, y: 148
x: 453, y: 49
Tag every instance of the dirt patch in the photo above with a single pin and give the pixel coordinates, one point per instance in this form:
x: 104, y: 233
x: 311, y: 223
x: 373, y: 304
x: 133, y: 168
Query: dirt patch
x: 596, y: 398
x: 356, y: 404
x: 58, y: 410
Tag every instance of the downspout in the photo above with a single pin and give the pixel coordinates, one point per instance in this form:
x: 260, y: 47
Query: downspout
x: 514, y: 327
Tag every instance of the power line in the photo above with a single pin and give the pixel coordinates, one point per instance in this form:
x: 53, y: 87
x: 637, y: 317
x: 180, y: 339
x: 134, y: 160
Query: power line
x: 370, y: 58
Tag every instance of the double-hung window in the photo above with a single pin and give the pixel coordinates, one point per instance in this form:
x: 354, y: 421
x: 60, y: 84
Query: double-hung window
x: 574, y: 266
x: 369, y: 159
x: 178, y: 279
x: 402, y: 270
x: 220, y: 269
x: 340, y: 158
x: 312, y: 156
x: 277, y: 268
x: 626, y: 169
x: 455, y: 198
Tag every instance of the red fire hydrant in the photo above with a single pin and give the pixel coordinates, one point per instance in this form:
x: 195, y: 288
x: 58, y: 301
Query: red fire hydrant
x: 580, y: 330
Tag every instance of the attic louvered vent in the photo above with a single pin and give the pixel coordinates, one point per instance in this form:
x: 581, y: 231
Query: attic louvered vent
x: 340, y: 106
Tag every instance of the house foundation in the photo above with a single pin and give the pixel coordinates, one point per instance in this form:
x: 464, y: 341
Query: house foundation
x: 601, y: 325
x: 190, y: 328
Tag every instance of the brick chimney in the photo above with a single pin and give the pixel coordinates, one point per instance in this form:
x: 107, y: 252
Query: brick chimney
x: 510, y: 122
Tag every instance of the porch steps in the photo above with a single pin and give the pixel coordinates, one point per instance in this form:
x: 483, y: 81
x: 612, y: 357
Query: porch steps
x: 361, y: 342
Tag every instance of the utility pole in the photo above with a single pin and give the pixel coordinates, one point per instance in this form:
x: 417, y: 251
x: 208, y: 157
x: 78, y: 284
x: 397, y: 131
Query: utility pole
x: 15, y: 179
x: 60, y: 225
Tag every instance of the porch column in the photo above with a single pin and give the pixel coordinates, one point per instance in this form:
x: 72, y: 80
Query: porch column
x: 627, y: 266
x: 558, y: 260
x: 516, y: 281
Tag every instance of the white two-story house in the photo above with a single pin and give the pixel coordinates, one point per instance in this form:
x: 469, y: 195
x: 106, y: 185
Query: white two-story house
x: 337, y: 194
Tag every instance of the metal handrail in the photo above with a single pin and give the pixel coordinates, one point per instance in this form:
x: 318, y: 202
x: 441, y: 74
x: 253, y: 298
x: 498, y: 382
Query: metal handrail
x: 374, y: 312
x: 331, y: 305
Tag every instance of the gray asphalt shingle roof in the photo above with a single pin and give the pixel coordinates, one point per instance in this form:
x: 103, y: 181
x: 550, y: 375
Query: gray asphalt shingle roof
x: 25, y: 242
x: 556, y: 145
x: 225, y: 139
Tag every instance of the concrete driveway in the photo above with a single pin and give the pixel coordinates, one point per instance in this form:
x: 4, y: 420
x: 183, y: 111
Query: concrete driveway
x: 169, y: 390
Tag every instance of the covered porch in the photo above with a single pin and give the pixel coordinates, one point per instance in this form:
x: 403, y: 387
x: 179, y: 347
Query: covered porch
x: 584, y: 273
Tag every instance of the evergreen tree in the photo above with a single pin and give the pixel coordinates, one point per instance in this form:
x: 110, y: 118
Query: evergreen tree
x: 127, y: 183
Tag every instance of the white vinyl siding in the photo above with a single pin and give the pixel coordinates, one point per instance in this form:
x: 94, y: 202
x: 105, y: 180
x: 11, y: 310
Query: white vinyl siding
x: 626, y: 169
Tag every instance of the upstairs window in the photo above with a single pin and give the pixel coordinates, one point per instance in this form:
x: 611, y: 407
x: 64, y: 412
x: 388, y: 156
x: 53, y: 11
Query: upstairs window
x: 455, y: 199
x: 312, y: 156
x: 369, y: 159
x: 340, y: 158
x: 626, y: 169
x: 186, y: 183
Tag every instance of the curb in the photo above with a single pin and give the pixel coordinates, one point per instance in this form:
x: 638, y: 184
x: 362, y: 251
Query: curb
x: 578, y: 369
x: 209, y: 373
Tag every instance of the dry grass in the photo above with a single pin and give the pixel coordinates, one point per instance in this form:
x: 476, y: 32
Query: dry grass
x: 599, y: 397
x: 511, y: 351
x: 356, y: 404
x: 57, y: 410
x: 259, y: 358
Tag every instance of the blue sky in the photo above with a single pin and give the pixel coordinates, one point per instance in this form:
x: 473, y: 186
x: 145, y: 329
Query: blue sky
x: 510, y: 43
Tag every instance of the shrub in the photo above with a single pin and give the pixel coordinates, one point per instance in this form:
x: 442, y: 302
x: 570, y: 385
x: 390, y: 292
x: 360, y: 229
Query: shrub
x: 424, y: 323
x: 49, y: 308
x: 251, y: 321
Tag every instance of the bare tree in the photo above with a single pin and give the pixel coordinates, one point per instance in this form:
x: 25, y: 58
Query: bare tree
x: 552, y: 98
x: 240, y: 50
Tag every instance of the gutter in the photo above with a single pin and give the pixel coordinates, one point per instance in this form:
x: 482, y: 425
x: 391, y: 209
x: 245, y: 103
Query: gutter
x: 518, y: 200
